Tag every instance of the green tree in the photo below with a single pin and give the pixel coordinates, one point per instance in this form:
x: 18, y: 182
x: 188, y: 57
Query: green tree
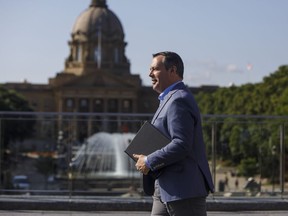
x: 12, y: 127
x: 248, y: 167
x: 240, y: 138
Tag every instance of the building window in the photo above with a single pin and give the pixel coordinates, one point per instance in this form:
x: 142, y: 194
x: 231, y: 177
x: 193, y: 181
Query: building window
x: 69, y: 103
x: 34, y: 104
x: 79, y: 53
x: 47, y: 105
x: 96, y: 54
x: 127, y: 105
x: 116, y: 55
x: 98, y: 105
x: 83, y: 105
x: 112, y: 105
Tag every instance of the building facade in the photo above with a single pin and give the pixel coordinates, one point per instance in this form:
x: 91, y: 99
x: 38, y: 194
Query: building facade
x: 96, y: 77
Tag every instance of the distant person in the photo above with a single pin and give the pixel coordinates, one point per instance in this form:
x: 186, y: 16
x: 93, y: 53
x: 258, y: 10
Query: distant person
x: 236, y: 183
x: 221, y: 185
x: 227, y: 181
x: 252, y: 187
x: 184, y: 179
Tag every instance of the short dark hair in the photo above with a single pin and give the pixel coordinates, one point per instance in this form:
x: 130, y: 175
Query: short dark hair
x: 172, y: 59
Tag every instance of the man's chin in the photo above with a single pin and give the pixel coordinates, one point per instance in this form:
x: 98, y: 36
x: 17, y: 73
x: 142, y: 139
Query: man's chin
x: 156, y: 89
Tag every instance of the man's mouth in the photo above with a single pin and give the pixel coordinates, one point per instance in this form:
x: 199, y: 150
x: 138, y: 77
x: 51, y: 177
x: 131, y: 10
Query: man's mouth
x: 154, y: 81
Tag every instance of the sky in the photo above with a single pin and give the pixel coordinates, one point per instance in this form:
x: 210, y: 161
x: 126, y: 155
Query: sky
x: 221, y: 42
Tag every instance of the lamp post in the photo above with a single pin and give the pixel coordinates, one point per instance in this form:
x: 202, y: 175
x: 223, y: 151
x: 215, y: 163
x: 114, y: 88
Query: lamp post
x: 59, y: 139
x: 59, y: 151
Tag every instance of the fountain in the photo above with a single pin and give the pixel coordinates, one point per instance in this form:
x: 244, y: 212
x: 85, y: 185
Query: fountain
x: 102, y: 156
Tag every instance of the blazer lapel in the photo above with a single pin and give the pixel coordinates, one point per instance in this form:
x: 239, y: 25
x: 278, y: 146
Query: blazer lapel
x: 162, y: 104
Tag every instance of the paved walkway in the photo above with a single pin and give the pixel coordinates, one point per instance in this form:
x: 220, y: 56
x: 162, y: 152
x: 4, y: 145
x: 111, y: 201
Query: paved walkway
x: 107, y: 213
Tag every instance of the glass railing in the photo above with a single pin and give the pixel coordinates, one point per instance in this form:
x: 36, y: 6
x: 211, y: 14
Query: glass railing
x: 82, y: 154
x: 247, y: 154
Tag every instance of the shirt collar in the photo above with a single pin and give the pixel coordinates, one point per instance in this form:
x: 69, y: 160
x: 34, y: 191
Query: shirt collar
x: 167, y: 90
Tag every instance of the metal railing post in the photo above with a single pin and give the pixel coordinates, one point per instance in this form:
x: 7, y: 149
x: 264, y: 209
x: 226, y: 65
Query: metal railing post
x: 213, y: 144
x: 1, y: 152
x: 282, y: 160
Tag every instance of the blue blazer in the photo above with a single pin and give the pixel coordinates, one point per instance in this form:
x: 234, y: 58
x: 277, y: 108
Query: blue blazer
x: 183, y: 164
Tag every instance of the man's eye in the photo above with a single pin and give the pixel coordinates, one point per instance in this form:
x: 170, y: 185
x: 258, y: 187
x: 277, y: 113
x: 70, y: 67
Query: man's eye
x: 154, y: 68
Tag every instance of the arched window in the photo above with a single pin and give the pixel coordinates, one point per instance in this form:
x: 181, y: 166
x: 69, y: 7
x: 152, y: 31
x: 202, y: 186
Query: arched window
x: 116, y: 55
x: 96, y: 53
x: 98, y: 56
x: 79, y: 53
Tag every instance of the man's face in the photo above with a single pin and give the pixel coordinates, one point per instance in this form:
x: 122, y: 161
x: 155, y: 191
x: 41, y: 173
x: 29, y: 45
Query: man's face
x: 160, y: 77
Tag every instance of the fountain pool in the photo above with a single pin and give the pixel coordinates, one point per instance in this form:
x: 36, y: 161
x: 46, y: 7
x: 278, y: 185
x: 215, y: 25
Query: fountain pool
x: 103, y: 156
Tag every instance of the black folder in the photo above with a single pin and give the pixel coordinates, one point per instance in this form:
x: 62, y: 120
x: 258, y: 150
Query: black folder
x: 147, y: 140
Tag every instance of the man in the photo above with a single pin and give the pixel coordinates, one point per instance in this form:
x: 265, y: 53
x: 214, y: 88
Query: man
x: 184, y: 179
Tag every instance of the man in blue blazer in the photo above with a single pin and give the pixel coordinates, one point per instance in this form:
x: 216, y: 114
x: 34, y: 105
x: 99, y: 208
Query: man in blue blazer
x: 183, y: 176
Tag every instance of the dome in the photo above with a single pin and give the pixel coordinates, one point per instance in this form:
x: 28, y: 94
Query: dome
x: 97, y: 42
x: 98, y: 18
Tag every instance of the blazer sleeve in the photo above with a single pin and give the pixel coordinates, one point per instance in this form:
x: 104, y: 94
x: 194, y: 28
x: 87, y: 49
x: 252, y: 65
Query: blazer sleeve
x: 179, y: 122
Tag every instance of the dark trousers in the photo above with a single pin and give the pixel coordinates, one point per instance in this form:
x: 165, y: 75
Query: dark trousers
x: 186, y: 207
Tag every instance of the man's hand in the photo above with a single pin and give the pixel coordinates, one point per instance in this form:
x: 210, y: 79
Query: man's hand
x: 141, y: 165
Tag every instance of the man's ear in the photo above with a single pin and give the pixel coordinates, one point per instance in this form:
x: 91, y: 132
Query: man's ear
x: 173, y: 71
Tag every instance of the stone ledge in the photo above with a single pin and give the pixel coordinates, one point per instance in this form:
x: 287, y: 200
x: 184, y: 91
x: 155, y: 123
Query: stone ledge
x: 133, y: 204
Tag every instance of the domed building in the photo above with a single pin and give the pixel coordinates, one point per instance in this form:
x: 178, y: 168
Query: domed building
x: 97, y: 42
x: 96, y: 76
x: 97, y: 66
